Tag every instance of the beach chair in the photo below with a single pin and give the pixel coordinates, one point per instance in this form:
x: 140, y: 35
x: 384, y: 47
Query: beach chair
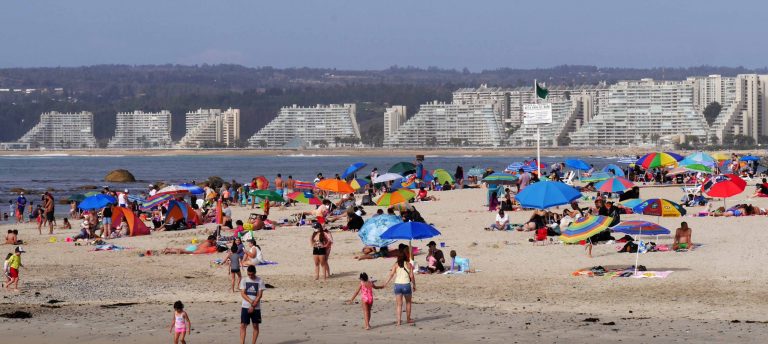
x: 569, y: 178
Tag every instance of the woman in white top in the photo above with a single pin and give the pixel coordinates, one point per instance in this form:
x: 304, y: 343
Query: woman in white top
x: 253, y: 255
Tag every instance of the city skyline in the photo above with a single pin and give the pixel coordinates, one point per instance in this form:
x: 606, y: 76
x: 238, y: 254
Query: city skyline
x: 353, y: 35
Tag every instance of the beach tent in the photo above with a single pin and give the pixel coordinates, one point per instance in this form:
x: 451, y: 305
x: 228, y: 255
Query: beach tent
x: 181, y: 210
x: 135, y: 225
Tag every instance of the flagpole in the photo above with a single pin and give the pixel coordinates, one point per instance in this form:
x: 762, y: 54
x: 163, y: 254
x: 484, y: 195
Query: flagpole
x: 538, y: 131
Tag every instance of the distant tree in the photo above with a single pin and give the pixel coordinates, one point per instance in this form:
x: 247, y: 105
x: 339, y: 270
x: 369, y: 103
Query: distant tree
x: 655, y: 138
x: 455, y: 141
x: 713, y: 140
x: 712, y: 111
x: 431, y: 141
x: 563, y: 141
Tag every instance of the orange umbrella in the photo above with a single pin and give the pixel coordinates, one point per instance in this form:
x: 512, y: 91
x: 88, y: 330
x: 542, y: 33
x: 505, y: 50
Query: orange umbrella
x: 335, y: 185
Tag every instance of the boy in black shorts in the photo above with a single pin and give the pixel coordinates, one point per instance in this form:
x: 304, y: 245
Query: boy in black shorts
x: 251, y: 290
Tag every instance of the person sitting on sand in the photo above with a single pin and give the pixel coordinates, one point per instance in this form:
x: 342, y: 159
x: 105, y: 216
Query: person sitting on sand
x: 435, y: 258
x: 422, y: 196
x: 11, y: 237
x: 683, y: 237
x: 537, y: 220
x: 205, y: 247
x: 459, y: 264
x: 502, y: 222
x: 253, y: 255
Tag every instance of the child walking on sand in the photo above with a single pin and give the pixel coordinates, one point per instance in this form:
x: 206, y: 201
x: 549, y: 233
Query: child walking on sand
x: 234, y: 266
x: 180, y: 325
x: 14, y: 263
x: 365, y: 289
x: 7, y: 268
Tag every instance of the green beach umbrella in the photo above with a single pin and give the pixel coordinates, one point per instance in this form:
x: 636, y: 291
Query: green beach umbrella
x: 442, y: 176
x: 402, y: 167
x: 76, y: 197
x: 268, y: 195
x: 697, y: 168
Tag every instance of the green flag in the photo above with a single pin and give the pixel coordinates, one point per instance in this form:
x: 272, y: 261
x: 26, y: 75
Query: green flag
x: 541, y: 92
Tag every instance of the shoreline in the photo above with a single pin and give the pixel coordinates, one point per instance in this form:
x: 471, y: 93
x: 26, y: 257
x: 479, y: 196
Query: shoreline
x: 372, y: 152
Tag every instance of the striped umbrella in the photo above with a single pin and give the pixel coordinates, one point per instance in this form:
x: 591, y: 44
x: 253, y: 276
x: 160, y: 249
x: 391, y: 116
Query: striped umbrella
x: 395, y: 197
x: 305, y: 197
x: 639, y: 228
x: 677, y: 157
x: 173, y: 190
x: 359, y: 183
x: 156, y: 200
x: 631, y: 203
x: 656, y: 159
x: 614, y: 184
x: 659, y: 207
x: 501, y: 178
x: 584, y: 228
x: 516, y: 166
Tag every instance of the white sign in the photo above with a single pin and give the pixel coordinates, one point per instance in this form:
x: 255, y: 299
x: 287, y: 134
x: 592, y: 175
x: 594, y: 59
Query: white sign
x: 537, y: 113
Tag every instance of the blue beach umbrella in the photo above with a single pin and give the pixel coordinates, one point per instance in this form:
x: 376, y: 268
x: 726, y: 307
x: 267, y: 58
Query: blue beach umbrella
x: 543, y: 195
x: 749, y: 158
x: 410, y: 231
x: 698, y: 158
x: 352, y: 169
x: 617, y: 171
x: 193, y: 189
x: 577, y: 164
x: 97, y: 202
x: 373, y: 228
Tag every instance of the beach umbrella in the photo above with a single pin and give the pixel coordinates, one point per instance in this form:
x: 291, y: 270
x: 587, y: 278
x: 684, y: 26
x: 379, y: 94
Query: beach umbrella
x: 395, y: 197
x: 697, y: 168
x: 267, y: 195
x: 749, y: 158
x: 334, y: 185
x: 721, y: 156
x: 156, y: 200
x: 373, y: 228
x: 193, y: 189
x: 614, y: 184
x: 172, y: 190
x: 386, y: 177
x: 677, y: 157
x: 699, y: 158
x: 534, y: 163
x: 442, y: 176
x: 359, y: 183
x: 96, y: 202
x: 596, y: 177
x: 584, y: 228
x: 516, y: 166
x: 577, y: 164
x: 631, y: 203
x: 91, y: 193
x: 724, y: 186
x: 262, y: 183
x: 639, y: 228
x: 547, y: 194
x: 659, y: 207
x: 76, y: 197
x: 677, y: 170
x: 475, y: 172
x: 501, y: 178
x: 305, y: 197
x: 617, y: 171
x: 402, y: 167
x: 656, y: 159
x: 410, y: 231
x: 352, y: 169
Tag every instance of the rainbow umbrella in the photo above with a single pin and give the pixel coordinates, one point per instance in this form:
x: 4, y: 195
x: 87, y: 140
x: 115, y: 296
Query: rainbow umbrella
x: 359, y: 183
x: 156, y: 200
x: 267, y: 195
x: 305, y: 197
x: 677, y: 157
x: 584, y: 228
x: 442, y: 176
x: 395, y: 197
x: 637, y: 228
x: 656, y: 159
x: 659, y: 207
x: 614, y: 184
x: 334, y: 185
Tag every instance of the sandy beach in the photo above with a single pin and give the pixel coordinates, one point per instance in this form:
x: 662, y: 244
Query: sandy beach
x: 523, y: 293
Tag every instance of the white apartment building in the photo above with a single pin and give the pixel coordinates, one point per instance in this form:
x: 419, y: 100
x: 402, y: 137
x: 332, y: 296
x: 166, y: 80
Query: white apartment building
x: 327, y: 123
x: 394, y: 117
x: 140, y: 129
x: 62, y: 131
x: 211, y: 128
x: 636, y: 112
x: 441, y: 124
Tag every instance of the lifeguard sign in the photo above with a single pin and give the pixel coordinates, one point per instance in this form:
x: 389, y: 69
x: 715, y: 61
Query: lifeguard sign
x: 537, y: 113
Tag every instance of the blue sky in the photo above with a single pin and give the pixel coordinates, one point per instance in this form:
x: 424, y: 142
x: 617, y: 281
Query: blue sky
x: 365, y: 34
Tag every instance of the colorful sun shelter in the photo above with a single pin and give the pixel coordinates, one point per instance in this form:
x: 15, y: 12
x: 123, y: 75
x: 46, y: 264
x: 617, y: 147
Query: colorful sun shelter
x: 135, y: 225
x: 181, y: 210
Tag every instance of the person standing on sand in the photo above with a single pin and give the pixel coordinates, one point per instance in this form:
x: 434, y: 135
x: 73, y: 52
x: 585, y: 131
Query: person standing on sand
x: 319, y: 243
x: 21, y: 204
x: 180, y: 325
x: 290, y: 184
x: 279, y: 185
x: 14, y: 263
x: 251, y: 291
x: 405, y: 285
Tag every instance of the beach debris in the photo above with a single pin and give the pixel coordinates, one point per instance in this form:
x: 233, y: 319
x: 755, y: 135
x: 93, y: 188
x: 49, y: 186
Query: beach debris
x: 16, y: 315
x: 120, y: 304
x: 54, y: 301
x: 120, y: 176
x: 610, y: 323
x: 592, y: 320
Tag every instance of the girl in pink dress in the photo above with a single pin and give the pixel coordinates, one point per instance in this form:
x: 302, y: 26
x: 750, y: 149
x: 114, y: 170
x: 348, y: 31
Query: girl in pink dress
x: 365, y: 289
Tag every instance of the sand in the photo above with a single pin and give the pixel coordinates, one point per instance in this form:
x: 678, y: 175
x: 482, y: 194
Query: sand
x: 524, y: 293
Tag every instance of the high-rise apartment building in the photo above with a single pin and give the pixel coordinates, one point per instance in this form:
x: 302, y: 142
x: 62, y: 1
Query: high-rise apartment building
x: 207, y: 128
x: 394, y: 117
x: 140, y: 129
x: 440, y: 124
x: 322, y: 123
x: 62, y: 131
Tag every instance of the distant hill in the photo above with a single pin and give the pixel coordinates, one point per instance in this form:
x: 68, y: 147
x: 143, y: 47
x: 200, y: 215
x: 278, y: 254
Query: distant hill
x: 260, y: 92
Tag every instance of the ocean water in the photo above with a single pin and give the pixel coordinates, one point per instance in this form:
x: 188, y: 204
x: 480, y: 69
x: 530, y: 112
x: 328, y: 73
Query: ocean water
x: 64, y: 174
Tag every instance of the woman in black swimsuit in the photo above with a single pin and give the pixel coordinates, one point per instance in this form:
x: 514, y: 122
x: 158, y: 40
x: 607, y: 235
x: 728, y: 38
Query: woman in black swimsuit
x: 319, y: 243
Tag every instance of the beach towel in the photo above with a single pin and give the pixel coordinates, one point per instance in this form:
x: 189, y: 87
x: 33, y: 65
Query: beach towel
x: 652, y: 274
x: 303, y: 185
x: 108, y: 247
x: 629, y: 272
x: 267, y: 262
